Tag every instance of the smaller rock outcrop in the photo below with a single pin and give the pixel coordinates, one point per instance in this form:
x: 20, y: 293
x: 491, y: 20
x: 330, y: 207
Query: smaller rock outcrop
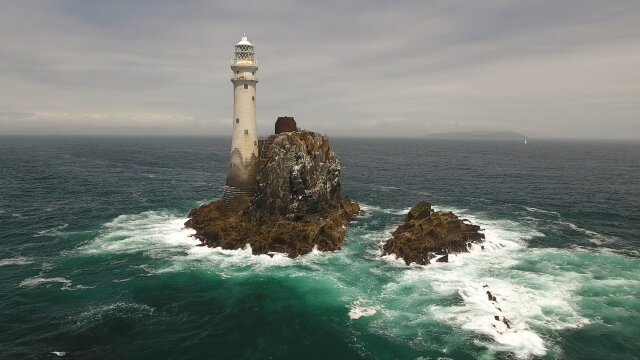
x: 427, y: 234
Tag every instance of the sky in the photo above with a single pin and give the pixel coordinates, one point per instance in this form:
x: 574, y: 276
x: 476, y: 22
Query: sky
x: 547, y: 69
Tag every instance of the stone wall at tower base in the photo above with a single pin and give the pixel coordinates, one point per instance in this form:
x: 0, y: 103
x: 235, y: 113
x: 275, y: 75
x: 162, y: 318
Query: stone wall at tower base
x: 235, y: 199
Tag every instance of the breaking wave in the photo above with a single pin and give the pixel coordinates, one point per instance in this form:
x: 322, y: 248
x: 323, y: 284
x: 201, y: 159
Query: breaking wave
x: 16, y: 261
x: 36, y: 281
x: 94, y: 315
x: 592, y: 236
x: 154, y: 232
x: 162, y: 235
x: 548, y: 212
x: 362, y: 308
x: 54, y: 231
x: 531, y: 303
x: 39, y: 280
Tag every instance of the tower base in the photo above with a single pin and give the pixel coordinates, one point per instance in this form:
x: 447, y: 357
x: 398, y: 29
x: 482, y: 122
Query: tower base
x: 235, y: 199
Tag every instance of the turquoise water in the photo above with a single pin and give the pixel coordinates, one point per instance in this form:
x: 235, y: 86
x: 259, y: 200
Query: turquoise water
x: 95, y: 261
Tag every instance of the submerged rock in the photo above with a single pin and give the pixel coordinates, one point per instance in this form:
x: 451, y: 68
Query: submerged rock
x: 298, y: 203
x: 427, y: 234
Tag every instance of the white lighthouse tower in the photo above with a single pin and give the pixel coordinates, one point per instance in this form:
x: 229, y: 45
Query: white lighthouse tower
x: 243, y: 166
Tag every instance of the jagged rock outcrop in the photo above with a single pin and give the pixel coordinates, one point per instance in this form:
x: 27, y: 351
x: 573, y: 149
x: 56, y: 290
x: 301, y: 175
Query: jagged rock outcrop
x: 300, y: 177
x: 297, y: 205
x: 427, y: 234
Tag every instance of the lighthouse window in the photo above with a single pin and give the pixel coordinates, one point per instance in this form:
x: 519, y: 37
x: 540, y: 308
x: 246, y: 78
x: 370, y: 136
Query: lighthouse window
x: 253, y: 98
x: 246, y: 132
x: 246, y: 86
x: 237, y: 121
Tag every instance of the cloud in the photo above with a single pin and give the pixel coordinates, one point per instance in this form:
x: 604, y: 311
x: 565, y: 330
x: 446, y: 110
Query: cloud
x: 58, y: 123
x: 360, y: 68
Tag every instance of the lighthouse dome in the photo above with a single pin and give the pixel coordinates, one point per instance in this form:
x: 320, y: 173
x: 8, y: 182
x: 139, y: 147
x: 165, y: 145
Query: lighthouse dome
x: 244, y: 41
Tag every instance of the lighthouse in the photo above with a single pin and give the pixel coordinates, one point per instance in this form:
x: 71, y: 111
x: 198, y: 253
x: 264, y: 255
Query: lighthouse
x: 243, y: 164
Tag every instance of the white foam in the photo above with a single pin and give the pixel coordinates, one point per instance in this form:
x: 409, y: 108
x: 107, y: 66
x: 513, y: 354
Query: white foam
x: 15, y: 261
x: 117, y: 307
x: 392, y: 259
x: 457, y: 211
x: 367, y: 209
x: 360, y: 308
x: 97, y: 313
x: 59, y: 353
x: 77, y: 287
x: 222, y: 258
x: 54, y: 231
x: 628, y: 252
x: 36, y: 281
x: 617, y: 282
x: 478, y: 314
x: 593, y: 236
x: 531, y: 302
x: 39, y: 280
x: 542, y: 211
x: 387, y: 188
x: 358, y: 312
x: 241, y: 262
x: 152, y: 232
x: 163, y: 235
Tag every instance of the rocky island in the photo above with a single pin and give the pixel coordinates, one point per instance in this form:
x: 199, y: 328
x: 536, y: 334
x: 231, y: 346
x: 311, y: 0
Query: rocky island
x: 283, y: 193
x: 427, y: 234
x: 297, y: 203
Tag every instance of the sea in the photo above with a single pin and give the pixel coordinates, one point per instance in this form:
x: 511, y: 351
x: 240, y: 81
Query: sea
x: 95, y: 262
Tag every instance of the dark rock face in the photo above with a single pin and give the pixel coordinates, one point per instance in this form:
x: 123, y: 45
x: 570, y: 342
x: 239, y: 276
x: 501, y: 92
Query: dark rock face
x: 426, y: 233
x: 285, y: 124
x: 300, y: 177
x: 297, y: 204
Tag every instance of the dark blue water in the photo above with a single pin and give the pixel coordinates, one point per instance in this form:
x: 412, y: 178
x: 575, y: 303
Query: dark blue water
x: 95, y: 261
